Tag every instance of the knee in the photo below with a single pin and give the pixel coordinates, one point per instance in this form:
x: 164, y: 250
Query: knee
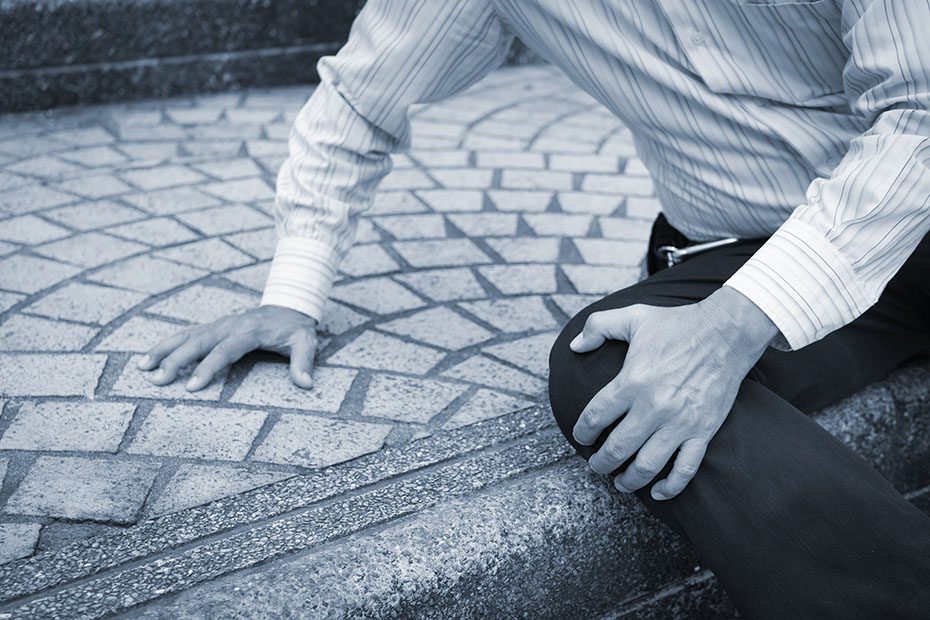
x: 574, y: 378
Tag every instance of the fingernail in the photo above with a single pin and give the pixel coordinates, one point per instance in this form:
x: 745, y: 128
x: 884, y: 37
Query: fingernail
x: 307, y: 379
x: 658, y: 496
x: 145, y: 361
x: 158, y: 375
x: 192, y: 383
x: 576, y: 342
x: 621, y: 488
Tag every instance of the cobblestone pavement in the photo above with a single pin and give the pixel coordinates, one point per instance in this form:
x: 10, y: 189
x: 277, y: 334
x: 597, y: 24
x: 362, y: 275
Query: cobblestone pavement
x: 521, y: 201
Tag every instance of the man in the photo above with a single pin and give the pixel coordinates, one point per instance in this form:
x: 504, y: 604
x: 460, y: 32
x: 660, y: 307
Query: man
x: 802, y: 130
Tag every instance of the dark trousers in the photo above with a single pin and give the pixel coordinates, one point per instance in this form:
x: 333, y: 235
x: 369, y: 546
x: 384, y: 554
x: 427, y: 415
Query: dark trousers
x: 791, y: 521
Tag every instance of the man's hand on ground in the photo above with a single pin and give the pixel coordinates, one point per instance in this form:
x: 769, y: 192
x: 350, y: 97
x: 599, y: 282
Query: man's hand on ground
x: 678, y: 383
x: 223, y: 342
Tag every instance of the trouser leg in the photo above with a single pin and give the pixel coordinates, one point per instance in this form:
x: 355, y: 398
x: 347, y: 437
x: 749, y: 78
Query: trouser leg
x: 793, y: 523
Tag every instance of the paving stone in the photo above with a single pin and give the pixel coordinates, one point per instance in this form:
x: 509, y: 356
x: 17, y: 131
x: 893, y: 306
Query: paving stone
x: 193, y: 116
x: 643, y: 208
x: 488, y: 159
x: 29, y: 274
x: 596, y: 279
x: 378, y: 295
x: 134, y: 383
x: 560, y: 145
x: 366, y: 232
x: 444, y: 284
x: 45, y: 167
x: 530, y: 353
x: 617, y: 184
x: 224, y: 220
x: 251, y: 117
x: 59, y: 534
x: 147, y: 274
x: 406, y: 179
x: 211, y: 254
x: 537, y: 179
x: 260, y: 243
x: 381, y: 352
x: 573, y: 304
x: 463, y: 178
x: 441, y: 159
x: 268, y: 385
x: 309, y: 441
x: 485, y: 224
x: 485, y: 371
x: 29, y: 333
x: 635, y: 166
x: 68, y: 426
x: 8, y: 300
x: 95, y: 156
x: 188, y: 431
x: 584, y: 163
x: 611, y: 251
x: 512, y: 315
x: 241, y: 190
x: 79, y: 488
x: 477, y: 142
x: 436, y: 128
x: 31, y: 230
x: 512, y: 200
x: 338, y: 319
x: 84, y: 136
x: 253, y: 277
x: 625, y: 228
x: 230, y: 169
x: 94, y: 186
x: 27, y: 375
x: 559, y: 224
x: 137, y: 335
x: 91, y: 215
x: 160, y: 177
x: 152, y: 152
x: 527, y: 249
x: 9, y: 181
x: 17, y: 540
x: 156, y: 133
x: 90, y: 249
x: 173, y: 200
x: 203, y: 304
x: 86, y: 303
x: 367, y: 260
x: 158, y: 232
x: 428, y: 226
x: 453, y: 199
x: 32, y: 198
x: 195, y: 484
x: 29, y: 146
x: 484, y: 405
x: 409, y: 400
x: 395, y: 202
x: 439, y: 327
x: 586, y: 202
x: 520, y: 279
x: 441, y: 253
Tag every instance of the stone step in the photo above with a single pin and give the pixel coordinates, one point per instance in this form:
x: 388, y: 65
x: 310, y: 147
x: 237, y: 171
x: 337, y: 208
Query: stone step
x: 498, y: 520
x: 68, y: 52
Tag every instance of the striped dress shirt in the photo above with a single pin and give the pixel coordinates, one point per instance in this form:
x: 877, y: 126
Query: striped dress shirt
x: 805, y: 121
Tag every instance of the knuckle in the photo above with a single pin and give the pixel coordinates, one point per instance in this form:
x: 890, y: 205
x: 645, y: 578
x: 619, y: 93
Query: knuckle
x: 644, y: 470
x: 614, y: 451
x: 687, y: 469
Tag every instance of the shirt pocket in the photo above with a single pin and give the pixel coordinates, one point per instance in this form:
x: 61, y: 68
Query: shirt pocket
x: 789, y: 52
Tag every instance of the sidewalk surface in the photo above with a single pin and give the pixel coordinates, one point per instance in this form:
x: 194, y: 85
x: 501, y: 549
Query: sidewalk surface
x: 521, y: 201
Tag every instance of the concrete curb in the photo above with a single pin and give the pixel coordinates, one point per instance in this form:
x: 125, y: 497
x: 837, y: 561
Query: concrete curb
x: 488, y: 522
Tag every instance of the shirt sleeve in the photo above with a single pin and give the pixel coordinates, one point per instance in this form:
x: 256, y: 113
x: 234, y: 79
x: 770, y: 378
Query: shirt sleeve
x: 399, y: 52
x: 832, y: 258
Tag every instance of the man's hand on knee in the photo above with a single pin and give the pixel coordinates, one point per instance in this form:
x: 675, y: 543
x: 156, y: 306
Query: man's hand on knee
x: 221, y: 343
x: 680, y: 378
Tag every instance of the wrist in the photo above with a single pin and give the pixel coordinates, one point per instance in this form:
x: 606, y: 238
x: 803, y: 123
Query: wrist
x: 741, y: 321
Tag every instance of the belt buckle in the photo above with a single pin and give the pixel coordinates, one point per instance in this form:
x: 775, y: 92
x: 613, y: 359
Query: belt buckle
x: 673, y: 255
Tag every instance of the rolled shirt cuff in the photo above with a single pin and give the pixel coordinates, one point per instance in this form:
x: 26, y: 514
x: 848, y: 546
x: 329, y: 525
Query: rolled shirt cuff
x: 803, y: 284
x: 301, y: 276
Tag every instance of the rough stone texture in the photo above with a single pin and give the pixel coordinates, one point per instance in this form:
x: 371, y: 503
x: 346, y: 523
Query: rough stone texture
x: 17, y: 540
x: 193, y: 485
x: 197, y: 432
x: 79, y: 488
x: 29, y: 375
x: 68, y: 426
x: 314, y: 442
